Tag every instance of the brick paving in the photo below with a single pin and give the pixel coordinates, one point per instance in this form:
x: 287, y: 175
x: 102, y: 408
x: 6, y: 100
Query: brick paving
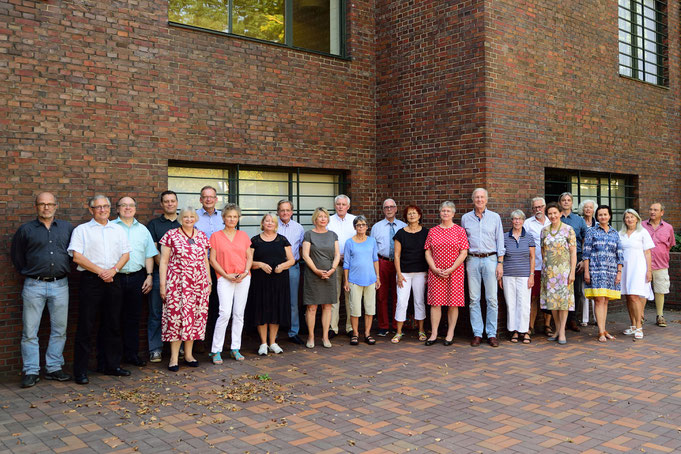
x: 582, y: 397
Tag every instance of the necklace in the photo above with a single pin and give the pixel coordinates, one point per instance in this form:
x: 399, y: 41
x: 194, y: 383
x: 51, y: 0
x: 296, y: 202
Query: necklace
x: 552, y: 233
x: 190, y: 239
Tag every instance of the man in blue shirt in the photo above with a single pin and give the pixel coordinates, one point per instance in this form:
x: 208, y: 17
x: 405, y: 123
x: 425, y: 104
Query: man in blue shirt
x: 294, y: 234
x: 39, y: 253
x: 383, y: 232
x: 484, y: 264
x: 577, y: 223
x: 136, y: 278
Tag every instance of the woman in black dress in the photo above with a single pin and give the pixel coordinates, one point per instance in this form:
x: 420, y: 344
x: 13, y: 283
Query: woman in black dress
x: 269, y: 297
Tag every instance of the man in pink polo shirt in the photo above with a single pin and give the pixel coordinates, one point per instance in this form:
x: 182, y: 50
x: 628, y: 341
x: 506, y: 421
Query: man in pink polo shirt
x: 663, y: 237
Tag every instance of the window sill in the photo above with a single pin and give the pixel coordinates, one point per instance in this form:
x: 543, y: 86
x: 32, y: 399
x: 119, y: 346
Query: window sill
x: 633, y: 79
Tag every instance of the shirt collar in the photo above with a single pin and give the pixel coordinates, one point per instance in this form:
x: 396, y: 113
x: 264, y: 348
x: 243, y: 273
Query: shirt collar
x: 522, y: 233
x: 202, y: 212
x: 94, y: 223
x: 163, y: 218
x: 118, y: 220
x: 647, y: 221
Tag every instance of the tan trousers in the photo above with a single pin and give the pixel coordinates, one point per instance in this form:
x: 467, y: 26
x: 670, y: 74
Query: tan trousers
x: 335, y: 309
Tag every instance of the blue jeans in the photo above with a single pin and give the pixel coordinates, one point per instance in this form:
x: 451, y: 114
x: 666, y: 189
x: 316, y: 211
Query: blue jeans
x: 294, y: 280
x: 155, y: 313
x: 35, y: 295
x: 482, y: 271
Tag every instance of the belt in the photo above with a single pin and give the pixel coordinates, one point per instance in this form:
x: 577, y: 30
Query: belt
x: 482, y: 256
x: 132, y: 272
x: 382, y: 257
x: 47, y: 278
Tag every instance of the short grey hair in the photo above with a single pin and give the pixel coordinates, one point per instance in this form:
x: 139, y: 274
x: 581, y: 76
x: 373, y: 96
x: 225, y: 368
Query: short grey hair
x: 537, y: 199
x: 560, y: 199
x: 658, y: 203
x: 91, y: 201
x: 341, y: 196
x: 359, y: 218
x: 478, y: 190
x: 282, y: 202
x: 448, y: 204
x: 191, y: 210
x: 638, y: 220
x: 231, y: 207
x: 517, y: 214
x: 580, y: 210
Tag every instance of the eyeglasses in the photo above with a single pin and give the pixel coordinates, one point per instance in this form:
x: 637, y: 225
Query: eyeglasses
x: 360, y: 225
x: 208, y: 197
x: 46, y: 205
x: 390, y: 207
x: 101, y: 207
x: 538, y: 207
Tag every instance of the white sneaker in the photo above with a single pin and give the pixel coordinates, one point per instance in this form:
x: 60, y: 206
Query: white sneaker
x: 638, y: 334
x: 275, y: 348
x: 629, y: 331
x: 262, y: 351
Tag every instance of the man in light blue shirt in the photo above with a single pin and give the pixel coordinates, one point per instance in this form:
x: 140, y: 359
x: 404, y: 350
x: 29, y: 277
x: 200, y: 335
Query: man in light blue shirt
x: 136, y: 277
x: 383, y: 232
x: 210, y: 221
x: 484, y: 264
x: 294, y: 234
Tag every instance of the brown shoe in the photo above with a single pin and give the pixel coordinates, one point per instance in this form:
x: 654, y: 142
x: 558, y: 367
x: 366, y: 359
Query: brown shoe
x: 574, y: 326
x: 493, y: 341
x: 476, y: 341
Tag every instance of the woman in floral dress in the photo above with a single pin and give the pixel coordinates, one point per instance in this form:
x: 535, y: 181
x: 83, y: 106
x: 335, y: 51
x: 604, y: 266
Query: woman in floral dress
x: 446, y: 249
x: 184, y: 275
x: 559, y: 252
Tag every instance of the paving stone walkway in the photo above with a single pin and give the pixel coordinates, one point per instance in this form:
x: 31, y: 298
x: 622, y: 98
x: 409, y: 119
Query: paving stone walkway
x: 582, y: 397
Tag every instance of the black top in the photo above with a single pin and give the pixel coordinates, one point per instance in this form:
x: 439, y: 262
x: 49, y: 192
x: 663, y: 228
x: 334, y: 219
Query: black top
x: 39, y: 252
x: 159, y: 226
x: 413, y: 255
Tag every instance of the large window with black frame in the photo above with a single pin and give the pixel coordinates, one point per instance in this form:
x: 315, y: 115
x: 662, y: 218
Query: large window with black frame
x: 643, y: 43
x: 314, y: 25
x: 611, y: 189
x: 258, y: 189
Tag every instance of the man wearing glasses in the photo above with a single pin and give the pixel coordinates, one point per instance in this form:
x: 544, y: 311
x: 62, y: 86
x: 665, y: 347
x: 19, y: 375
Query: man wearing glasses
x: 136, y: 277
x: 383, y: 232
x: 39, y: 253
x: 534, y: 225
x: 100, y: 249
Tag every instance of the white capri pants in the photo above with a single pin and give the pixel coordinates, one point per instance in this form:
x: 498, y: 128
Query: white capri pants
x: 417, y: 283
x: 233, y: 299
x: 517, y: 297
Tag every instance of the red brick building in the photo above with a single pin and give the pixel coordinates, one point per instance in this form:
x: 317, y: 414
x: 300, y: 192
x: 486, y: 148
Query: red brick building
x: 419, y: 100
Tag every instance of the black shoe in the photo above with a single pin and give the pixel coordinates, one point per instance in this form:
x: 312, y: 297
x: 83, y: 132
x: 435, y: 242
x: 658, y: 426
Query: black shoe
x: 296, y: 339
x: 448, y: 343
x: 29, y: 380
x: 349, y: 333
x: 430, y: 342
x: 58, y: 375
x: 81, y: 380
x: 194, y: 363
x: 332, y: 334
x: 174, y: 368
x: 117, y: 372
x: 382, y: 332
x: 136, y: 361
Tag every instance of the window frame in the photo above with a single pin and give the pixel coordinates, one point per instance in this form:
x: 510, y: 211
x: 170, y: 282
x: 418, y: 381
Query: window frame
x: 288, y: 31
x: 636, y: 23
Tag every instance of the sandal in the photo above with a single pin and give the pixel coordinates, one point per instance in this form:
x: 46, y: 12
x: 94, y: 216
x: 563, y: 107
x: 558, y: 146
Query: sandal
x: 549, y: 332
x: 526, y: 338
x: 354, y: 340
x: 422, y: 336
x: 602, y: 337
x: 608, y: 335
x: 369, y: 340
x: 514, y: 337
x: 397, y: 338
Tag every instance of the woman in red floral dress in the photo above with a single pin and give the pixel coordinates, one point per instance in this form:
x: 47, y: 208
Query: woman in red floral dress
x: 446, y: 249
x: 185, y: 286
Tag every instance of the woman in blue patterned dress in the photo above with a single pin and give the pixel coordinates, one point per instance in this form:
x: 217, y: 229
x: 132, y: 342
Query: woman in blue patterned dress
x: 603, y: 261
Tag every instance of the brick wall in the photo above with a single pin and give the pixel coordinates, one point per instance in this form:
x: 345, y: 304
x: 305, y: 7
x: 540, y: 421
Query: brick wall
x: 99, y: 96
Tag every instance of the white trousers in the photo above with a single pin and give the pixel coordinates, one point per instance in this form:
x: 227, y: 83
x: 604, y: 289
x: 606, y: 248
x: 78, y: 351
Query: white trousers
x: 415, y: 282
x: 233, y: 299
x: 517, y: 297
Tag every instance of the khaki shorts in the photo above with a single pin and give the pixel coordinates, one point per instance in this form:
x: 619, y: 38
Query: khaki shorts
x: 356, y: 293
x: 661, y: 281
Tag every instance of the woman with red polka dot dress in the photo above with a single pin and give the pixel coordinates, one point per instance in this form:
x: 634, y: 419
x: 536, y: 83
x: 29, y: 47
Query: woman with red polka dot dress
x: 446, y: 250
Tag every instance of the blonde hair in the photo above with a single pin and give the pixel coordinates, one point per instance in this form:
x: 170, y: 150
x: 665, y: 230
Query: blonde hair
x: 319, y: 211
x: 274, y: 218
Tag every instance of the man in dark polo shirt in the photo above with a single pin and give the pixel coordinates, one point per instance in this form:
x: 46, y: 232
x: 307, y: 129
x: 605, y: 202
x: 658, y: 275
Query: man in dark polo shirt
x: 39, y: 253
x: 158, y: 227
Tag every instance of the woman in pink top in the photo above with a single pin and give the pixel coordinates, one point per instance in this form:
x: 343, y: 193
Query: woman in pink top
x: 231, y: 256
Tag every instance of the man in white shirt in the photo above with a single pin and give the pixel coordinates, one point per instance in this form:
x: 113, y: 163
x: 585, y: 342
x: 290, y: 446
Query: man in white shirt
x: 341, y: 224
x: 100, y: 249
x: 534, y: 225
x: 383, y: 232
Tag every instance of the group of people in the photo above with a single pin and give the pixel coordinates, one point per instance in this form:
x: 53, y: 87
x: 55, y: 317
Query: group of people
x: 201, y: 271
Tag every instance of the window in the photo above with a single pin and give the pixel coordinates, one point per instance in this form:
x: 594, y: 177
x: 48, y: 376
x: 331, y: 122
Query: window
x: 617, y: 191
x: 257, y: 190
x: 315, y: 25
x: 643, y: 40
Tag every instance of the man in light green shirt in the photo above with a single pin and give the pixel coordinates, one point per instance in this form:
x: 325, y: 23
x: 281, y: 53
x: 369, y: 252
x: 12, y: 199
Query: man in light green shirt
x: 136, y: 277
